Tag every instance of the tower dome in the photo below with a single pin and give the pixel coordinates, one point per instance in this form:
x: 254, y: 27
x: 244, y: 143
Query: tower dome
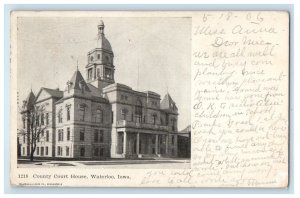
x: 102, y: 41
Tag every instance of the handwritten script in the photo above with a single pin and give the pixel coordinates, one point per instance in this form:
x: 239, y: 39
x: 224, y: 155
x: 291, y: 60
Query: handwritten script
x: 239, y: 102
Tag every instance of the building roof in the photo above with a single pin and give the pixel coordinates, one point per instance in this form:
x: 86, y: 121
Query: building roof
x: 28, y: 103
x: 103, y: 43
x: 186, y: 129
x: 76, y: 80
x: 95, y: 91
x: 54, y: 92
x: 168, y: 104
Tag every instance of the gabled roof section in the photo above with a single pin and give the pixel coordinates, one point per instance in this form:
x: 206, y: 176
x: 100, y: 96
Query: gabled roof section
x: 54, y: 92
x: 168, y: 104
x: 76, y: 80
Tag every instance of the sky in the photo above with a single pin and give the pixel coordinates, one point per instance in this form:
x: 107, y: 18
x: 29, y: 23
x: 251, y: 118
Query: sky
x: 48, y: 49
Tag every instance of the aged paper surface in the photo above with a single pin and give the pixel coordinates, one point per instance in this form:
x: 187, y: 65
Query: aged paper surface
x: 215, y: 115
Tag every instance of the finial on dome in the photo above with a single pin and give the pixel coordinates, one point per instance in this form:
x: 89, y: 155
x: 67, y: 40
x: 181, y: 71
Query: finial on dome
x: 101, y: 27
x: 101, y: 22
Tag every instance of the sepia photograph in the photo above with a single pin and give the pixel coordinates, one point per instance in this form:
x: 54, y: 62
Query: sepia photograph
x: 103, y: 92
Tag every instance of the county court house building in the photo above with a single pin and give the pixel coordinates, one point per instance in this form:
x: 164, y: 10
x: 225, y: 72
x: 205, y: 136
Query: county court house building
x: 96, y: 118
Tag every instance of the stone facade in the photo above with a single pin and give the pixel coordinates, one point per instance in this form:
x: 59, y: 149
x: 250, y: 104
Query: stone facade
x: 97, y: 118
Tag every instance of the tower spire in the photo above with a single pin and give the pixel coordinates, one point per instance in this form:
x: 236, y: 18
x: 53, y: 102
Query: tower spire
x: 101, y: 28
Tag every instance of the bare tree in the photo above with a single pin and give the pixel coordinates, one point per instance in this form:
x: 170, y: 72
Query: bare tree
x: 35, y: 120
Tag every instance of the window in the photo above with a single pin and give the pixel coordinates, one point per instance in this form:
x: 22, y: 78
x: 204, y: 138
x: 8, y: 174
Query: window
x: 124, y: 113
x: 108, y: 73
x: 68, y: 113
x: 138, y: 111
x: 90, y: 73
x: 101, y: 152
x: 173, y: 140
x: 99, y: 116
x: 124, y: 97
x: 82, y: 152
x: 96, y: 135
x: 38, y: 150
x: 173, y: 122
x: 96, y: 151
x: 81, y: 134
x: 98, y: 72
x: 38, y: 138
x: 58, y: 151
x: 42, y: 151
x: 47, y: 136
x: 92, y: 58
x: 60, y: 118
x: 81, y: 112
x: 24, y: 125
x: 42, y: 119
x: 68, y: 133
x: 47, y: 118
x: 153, y: 150
x: 154, y: 118
x: 43, y: 133
x: 60, y: 135
x: 101, y: 135
x: 153, y: 140
x: 98, y: 56
x: 46, y: 150
x: 67, y: 151
x: 23, y: 151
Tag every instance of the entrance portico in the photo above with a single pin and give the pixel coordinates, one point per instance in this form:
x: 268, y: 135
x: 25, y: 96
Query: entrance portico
x: 142, y: 144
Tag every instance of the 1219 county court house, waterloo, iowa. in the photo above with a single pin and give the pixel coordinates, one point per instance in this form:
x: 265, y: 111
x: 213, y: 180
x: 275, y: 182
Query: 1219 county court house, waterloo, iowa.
x: 97, y: 118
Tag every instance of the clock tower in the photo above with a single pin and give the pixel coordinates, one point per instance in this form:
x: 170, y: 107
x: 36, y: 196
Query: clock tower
x: 100, y: 68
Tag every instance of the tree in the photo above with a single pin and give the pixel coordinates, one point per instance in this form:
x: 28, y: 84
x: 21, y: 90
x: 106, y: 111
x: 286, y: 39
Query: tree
x: 34, y: 126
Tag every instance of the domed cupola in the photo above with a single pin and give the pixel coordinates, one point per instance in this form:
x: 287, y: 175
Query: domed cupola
x: 100, y: 68
x: 102, y: 42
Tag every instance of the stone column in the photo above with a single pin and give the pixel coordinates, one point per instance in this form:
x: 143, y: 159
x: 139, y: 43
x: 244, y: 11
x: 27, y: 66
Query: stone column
x: 156, y: 144
x: 137, y: 143
x: 124, y: 143
x: 167, y: 143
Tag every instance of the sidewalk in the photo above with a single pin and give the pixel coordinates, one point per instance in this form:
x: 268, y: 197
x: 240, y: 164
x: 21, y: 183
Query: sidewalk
x: 113, y: 163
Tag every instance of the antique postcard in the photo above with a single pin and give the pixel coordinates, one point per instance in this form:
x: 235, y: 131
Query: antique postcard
x: 150, y: 99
